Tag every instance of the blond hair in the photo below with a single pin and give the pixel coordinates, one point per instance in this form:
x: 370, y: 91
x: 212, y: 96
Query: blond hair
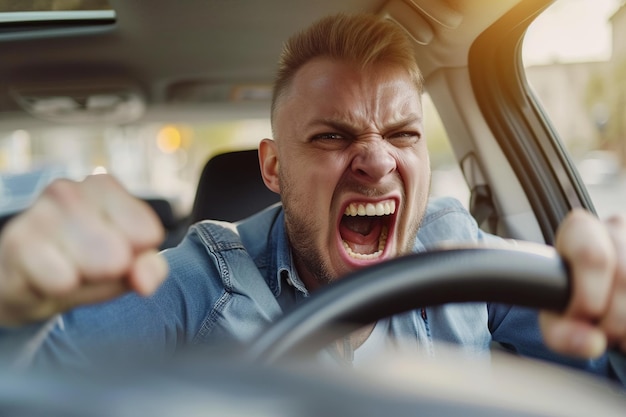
x: 361, y: 39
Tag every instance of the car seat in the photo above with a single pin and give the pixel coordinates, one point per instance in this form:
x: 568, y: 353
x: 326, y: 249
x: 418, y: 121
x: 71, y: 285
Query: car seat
x: 231, y: 188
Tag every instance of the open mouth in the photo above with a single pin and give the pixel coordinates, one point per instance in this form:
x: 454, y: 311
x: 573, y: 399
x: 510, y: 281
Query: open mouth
x: 364, y: 228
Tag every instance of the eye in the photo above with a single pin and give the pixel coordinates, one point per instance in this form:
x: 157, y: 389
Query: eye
x: 404, y: 138
x: 330, y: 141
x: 328, y: 136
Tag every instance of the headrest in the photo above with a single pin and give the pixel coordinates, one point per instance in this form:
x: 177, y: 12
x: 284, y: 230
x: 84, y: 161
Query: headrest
x: 231, y: 188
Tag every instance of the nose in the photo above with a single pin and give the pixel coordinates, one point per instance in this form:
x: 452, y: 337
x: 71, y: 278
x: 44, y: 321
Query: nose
x: 373, y: 161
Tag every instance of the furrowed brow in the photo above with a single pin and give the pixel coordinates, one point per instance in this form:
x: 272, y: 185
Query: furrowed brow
x: 344, y: 126
x: 406, y: 121
x: 334, y: 124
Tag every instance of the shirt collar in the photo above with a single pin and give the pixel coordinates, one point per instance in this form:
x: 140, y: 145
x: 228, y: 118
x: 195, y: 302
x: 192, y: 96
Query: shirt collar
x: 282, y: 260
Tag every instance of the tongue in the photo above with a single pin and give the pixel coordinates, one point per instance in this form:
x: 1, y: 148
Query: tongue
x: 361, y: 233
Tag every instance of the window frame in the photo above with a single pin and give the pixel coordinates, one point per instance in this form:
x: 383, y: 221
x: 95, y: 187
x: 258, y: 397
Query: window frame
x: 521, y: 127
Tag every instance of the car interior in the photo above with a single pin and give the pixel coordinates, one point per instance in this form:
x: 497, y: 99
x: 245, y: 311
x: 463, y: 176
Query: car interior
x: 174, y: 96
x: 225, y: 179
x: 127, y: 65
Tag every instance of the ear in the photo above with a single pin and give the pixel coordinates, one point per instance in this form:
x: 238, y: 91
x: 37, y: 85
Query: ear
x: 268, y: 160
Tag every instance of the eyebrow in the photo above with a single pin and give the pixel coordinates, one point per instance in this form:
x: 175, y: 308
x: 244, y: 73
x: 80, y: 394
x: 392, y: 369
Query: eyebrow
x: 410, y: 119
x: 350, y: 127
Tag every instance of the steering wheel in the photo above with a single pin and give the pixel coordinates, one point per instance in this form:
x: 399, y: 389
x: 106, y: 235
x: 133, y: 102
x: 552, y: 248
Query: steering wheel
x: 220, y: 386
x: 527, y: 275
x: 530, y: 277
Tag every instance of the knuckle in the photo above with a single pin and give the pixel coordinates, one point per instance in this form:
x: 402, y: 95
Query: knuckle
x: 593, y: 256
x: 102, y: 181
x: 61, y: 190
x: 587, y: 307
x: 144, y: 228
x: 108, y: 257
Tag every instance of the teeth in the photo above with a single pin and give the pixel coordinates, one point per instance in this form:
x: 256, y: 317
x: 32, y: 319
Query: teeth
x: 382, y: 241
x: 382, y: 208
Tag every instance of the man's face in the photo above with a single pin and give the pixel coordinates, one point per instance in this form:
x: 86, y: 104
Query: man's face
x: 352, y: 166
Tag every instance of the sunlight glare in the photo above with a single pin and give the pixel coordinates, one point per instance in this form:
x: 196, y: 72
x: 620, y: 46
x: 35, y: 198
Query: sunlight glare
x: 571, y: 31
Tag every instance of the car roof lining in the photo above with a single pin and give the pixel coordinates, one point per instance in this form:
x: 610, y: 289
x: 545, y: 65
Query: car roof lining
x: 131, y: 50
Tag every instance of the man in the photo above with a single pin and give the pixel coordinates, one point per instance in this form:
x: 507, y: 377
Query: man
x: 351, y: 165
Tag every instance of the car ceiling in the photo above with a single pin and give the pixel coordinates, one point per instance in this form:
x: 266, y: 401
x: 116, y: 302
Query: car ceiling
x: 205, y: 53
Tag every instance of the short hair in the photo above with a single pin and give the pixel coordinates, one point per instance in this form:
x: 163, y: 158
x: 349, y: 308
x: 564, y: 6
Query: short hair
x: 361, y: 39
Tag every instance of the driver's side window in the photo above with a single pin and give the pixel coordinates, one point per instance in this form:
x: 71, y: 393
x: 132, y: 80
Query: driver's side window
x: 579, y: 77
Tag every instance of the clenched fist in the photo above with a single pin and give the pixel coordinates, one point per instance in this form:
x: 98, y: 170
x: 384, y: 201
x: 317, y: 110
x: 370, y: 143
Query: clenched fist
x: 79, y: 243
x: 596, y: 316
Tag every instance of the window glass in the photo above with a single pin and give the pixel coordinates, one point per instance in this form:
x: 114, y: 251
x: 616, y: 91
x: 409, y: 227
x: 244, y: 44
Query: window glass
x: 575, y: 60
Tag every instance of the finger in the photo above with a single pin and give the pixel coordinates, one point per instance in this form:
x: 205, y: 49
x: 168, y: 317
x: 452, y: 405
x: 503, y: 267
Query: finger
x: 74, y: 223
x: 148, y: 272
x: 32, y: 266
x: 614, y: 321
x: 46, y: 270
x: 134, y: 218
x: 38, y: 278
x: 572, y: 337
x: 19, y: 262
x: 587, y: 247
x: 66, y: 250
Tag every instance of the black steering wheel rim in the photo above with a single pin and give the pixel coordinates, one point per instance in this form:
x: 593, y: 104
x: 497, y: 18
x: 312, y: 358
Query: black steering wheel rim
x: 530, y: 277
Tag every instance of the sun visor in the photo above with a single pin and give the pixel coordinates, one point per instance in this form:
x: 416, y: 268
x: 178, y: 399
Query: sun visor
x: 92, y: 101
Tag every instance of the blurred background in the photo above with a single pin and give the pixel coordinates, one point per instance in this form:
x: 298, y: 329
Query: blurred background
x: 575, y: 59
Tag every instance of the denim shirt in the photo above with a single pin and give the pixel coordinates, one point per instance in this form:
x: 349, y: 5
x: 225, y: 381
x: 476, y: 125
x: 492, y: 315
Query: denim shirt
x: 227, y: 282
